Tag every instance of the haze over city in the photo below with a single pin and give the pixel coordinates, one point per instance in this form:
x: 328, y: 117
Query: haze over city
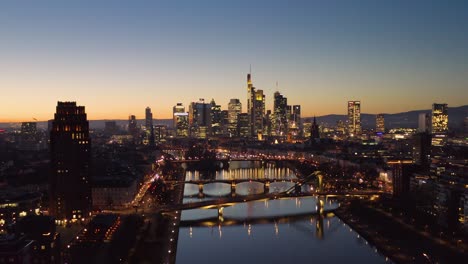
x: 117, y: 57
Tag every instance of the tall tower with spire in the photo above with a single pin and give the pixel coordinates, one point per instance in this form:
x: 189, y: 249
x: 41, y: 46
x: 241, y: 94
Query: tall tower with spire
x: 250, y: 92
x: 314, y: 131
x: 255, y: 107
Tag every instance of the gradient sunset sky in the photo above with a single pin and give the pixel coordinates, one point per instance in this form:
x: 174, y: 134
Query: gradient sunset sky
x: 118, y: 57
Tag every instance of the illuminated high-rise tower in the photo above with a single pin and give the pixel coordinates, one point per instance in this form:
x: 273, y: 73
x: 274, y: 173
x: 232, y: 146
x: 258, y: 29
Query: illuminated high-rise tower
x: 296, y: 121
x: 354, y: 118
x: 255, y: 107
x: 258, y: 113
x: 296, y: 114
x: 439, y: 124
x: 380, y: 123
x: 70, y: 148
x: 250, y: 92
x: 280, y: 119
x: 200, y: 119
x: 182, y: 124
x: 178, y: 108
x: 234, y: 109
x: 216, y: 119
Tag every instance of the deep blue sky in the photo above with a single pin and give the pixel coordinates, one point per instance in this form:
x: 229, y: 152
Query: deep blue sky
x: 117, y: 57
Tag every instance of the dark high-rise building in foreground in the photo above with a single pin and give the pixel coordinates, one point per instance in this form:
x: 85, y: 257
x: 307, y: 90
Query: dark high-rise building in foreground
x: 70, y: 148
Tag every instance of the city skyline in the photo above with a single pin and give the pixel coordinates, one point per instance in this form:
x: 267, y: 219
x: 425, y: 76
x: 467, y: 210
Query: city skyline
x: 251, y: 131
x: 117, y: 59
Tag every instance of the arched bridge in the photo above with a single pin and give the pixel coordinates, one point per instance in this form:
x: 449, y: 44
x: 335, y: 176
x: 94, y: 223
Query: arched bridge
x: 233, y: 183
x: 228, y: 201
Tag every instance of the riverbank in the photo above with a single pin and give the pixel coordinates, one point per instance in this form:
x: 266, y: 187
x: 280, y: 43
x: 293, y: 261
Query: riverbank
x: 158, y: 241
x: 400, y: 242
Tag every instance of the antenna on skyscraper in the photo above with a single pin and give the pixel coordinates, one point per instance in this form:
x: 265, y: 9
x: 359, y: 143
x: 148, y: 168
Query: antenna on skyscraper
x: 250, y: 71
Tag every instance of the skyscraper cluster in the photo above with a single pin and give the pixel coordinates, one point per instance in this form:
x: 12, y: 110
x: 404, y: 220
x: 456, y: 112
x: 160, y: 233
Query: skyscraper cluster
x: 208, y: 119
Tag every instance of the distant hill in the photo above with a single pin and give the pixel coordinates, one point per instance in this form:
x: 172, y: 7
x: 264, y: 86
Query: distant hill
x: 405, y: 119
x: 98, y: 124
x: 101, y: 123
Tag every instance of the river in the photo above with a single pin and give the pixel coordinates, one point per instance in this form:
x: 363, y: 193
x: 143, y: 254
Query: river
x: 275, y: 231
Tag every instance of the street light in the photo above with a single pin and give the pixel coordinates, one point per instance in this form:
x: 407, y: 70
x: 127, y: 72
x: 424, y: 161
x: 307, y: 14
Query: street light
x: 428, y: 258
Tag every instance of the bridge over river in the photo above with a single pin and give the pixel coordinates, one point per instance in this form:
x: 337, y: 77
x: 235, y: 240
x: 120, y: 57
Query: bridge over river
x: 228, y: 201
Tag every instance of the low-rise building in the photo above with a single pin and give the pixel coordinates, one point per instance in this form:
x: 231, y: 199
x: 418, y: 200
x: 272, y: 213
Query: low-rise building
x: 42, y: 231
x: 16, y: 203
x: 15, y: 249
x: 113, y: 192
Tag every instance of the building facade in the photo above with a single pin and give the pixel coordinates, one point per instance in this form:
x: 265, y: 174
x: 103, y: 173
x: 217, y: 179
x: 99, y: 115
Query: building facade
x: 133, y: 128
x: 148, y: 118
x: 29, y: 137
x: 439, y: 124
x: 234, y: 109
x: 200, y: 119
x: 354, y: 118
x: 380, y: 124
x: 279, y: 122
x: 113, y: 193
x: 70, y: 148
x: 216, y: 119
x: 181, y: 124
x: 243, y: 125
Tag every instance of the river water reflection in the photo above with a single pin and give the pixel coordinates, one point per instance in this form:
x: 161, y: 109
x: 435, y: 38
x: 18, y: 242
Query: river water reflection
x: 241, y: 170
x: 274, y: 231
